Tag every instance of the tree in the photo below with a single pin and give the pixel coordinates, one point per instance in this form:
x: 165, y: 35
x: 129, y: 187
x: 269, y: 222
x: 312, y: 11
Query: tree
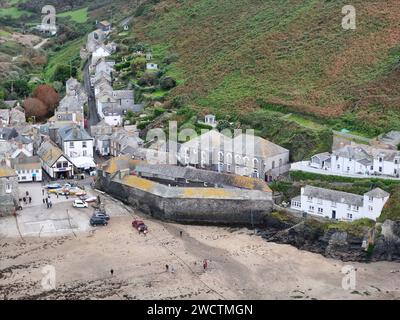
x: 148, y: 79
x: 35, y: 108
x: 19, y: 87
x: 63, y: 72
x: 138, y: 64
x: 47, y: 95
x: 167, y: 83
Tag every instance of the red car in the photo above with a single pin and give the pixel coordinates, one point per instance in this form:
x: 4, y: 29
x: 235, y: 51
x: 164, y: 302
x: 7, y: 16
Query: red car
x: 139, y: 226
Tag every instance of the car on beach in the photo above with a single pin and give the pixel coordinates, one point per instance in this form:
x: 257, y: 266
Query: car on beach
x: 80, y: 204
x: 101, y: 214
x: 96, y: 221
x: 139, y: 226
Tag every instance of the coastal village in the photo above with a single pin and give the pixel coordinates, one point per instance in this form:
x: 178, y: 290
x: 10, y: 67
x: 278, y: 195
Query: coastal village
x: 95, y: 166
x: 72, y: 145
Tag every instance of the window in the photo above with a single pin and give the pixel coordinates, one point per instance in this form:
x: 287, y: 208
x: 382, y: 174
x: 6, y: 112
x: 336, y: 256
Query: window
x: 84, y: 144
x: 65, y: 164
x: 396, y: 161
x: 24, y: 178
x: 338, y: 166
x: 309, y: 199
x: 337, y: 158
x: 380, y: 169
x: 311, y: 208
x: 220, y: 156
x: 333, y: 204
x: 71, y: 144
x: 370, y: 199
x: 348, y: 207
x: 273, y: 164
x: 319, y: 201
x: 349, y: 216
x: 370, y: 208
x: 84, y: 153
x: 320, y: 210
x: 348, y: 169
x: 380, y: 159
x: 255, y: 163
x: 228, y: 167
x: 59, y: 164
x: 8, y: 188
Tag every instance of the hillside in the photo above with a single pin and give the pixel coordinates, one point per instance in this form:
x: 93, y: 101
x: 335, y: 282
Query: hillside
x: 235, y: 55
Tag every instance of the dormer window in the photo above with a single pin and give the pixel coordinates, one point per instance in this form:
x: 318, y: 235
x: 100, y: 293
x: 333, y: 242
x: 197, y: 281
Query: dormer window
x: 380, y: 159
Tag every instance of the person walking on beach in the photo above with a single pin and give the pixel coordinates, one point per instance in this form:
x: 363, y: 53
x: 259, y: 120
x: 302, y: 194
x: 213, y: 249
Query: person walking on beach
x: 205, y: 264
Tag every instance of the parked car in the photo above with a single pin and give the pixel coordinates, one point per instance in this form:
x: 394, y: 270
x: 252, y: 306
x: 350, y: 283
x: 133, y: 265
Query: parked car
x: 80, y: 204
x: 53, y: 186
x: 95, y: 221
x: 88, y: 199
x: 101, y: 214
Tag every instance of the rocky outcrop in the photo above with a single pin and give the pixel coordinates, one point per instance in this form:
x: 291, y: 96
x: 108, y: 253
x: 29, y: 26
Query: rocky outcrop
x: 381, y: 242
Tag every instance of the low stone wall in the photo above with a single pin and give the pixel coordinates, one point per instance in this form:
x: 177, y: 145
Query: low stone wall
x: 240, y: 211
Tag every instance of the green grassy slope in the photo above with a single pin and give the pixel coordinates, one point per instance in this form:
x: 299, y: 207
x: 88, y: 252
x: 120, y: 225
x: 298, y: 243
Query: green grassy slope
x: 289, y: 52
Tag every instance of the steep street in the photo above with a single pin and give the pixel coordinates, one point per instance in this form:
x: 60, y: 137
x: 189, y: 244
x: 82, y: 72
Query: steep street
x: 93, y: 117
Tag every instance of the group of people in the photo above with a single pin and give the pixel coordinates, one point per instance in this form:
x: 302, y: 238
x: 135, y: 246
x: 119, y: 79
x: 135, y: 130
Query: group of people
x: 25, y: 199
x: 47, y: 200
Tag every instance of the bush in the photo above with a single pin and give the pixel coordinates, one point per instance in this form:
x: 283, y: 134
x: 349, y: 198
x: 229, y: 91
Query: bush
x: 173, y: 57
x: 138, y: 64
x: 148, y: 79
x: 167, y: 83
x: 63, y: 72
x: 159, y: 111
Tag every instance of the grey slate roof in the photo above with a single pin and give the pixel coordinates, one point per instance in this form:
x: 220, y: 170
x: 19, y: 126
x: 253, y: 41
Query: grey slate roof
x: 333, y: 195
x: 323, y: 156
x: 8, y: 133
x: 377, y: 193
x: 73, y: 133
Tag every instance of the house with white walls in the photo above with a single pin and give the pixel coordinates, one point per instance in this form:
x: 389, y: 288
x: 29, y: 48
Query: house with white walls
x: 54, y: 161
x: 29, y: 169
x: 78, y: 145
x: 359, y: 160
x: 340, y: 205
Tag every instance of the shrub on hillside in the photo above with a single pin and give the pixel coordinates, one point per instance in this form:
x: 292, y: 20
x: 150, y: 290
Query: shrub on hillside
x: 63, y: 72
x: 148, y: 79
x: 167, y: 83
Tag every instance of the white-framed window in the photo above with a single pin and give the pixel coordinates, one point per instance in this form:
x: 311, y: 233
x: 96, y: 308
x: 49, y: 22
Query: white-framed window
x: 228, y: 167
x: 311, y: 208
x: 370, y: 208
x: 338, y: 166
x: 370, y: 199
x: 309, y: 199
x: 220, y: 156
x: 255, y: 163
x: 229, y: 158
x: 320, y: 210
x: 71, y: 144
x: 8, y: 187
x: 380, y: 169
x: 84, y: 144
x: 84, y: 152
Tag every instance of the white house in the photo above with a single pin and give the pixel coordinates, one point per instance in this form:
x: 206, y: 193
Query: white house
x: 340, y: 205
x: 359, y: 160
x: 75, y: 141
x: 29, y: 169
x: 54, y: 161
x: 151, y: 66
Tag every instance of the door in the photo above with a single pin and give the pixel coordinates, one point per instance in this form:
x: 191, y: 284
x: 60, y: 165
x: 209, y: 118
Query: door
x: 333, y: 214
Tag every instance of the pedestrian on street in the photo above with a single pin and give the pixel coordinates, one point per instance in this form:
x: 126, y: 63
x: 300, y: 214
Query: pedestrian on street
x: 57, y: 194
x: 166, y: 268
x: 30, y: 199
x: 44, y: 201
x: 180, y: 233
x: 27, y: 193
x: 51, y: 204
x: 24, y: 200
x: 42, y: 192
x: 112, y: 272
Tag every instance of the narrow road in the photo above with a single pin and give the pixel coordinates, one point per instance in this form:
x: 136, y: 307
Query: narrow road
x: 93, y: 117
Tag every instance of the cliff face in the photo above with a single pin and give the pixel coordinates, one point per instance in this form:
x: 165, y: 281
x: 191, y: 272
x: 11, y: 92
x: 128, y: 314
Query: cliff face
x: 381, y: 242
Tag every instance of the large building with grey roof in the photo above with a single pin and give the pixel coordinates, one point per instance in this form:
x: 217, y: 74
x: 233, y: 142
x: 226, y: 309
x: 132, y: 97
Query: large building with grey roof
x: 245, y: 155
x: 340, y: 205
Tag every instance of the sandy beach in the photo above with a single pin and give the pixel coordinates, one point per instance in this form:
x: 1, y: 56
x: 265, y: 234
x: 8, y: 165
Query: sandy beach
x: 241, y: 266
